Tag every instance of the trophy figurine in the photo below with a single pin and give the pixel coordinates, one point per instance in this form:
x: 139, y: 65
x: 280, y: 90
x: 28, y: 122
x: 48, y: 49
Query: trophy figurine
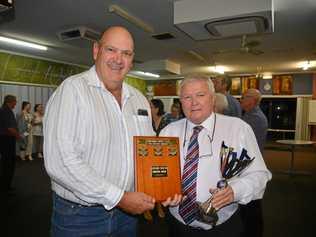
x: 230, y: 167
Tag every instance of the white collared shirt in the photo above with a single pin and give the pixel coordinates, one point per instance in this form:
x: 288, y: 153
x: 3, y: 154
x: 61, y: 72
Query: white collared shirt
x: 88, y: 139
x: 250, y: 185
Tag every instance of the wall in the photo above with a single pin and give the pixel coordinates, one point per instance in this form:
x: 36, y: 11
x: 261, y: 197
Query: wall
x: 22, y: 69
x: 302, y: 84
x: 34, y: 80
x: 33, y: 94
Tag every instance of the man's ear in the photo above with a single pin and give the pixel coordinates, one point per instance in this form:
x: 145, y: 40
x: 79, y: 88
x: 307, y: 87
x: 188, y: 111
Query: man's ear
x: 131, y: 66
x: 95, y: 50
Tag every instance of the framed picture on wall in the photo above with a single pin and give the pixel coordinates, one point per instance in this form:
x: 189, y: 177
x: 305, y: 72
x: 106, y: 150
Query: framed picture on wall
x: 286, y: 85
x: 282, y: 85
x: 165, y: 88
x: 250, y: 82
x: 236, y: 86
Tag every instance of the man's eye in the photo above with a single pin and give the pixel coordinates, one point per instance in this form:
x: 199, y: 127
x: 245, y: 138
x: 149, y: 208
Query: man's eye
x: 109, y: 49
x: 127, y: 53
x: 200, y: 95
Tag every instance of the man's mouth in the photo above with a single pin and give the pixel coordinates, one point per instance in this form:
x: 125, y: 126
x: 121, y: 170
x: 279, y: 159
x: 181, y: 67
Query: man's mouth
x: 115, y: 66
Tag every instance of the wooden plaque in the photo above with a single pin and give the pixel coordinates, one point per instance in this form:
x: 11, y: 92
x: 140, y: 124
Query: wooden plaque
x: 157, y: 166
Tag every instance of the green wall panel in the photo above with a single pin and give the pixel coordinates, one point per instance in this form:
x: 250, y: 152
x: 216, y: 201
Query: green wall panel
x: 28, y: 70
x: 137, y: 83
x: 16, y: 68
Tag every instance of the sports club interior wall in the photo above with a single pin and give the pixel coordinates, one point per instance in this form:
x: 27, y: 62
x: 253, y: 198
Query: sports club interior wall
x: 17, y: 69
x: 34, y: 80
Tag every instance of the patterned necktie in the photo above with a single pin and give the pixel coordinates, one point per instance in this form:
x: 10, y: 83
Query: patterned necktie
x: 188, y: 208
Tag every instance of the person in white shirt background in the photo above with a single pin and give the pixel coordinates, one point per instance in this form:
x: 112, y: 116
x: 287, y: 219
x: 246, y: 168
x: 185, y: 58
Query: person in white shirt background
x: 197, y: 98
x: 38, y: 130
x: 24, y: 120
x: 89, y: 125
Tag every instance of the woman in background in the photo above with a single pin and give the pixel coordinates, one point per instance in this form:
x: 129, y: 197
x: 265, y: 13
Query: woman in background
x: 24, y: 121
x: 175, y: 114
x: 38, y: 129
x: 159, y: 121
x: 157, y: 113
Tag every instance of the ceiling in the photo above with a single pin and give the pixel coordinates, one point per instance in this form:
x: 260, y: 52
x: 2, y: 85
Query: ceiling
x: 293, y: 39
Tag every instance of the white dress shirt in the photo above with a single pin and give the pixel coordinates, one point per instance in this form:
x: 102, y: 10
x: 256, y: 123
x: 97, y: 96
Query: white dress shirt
x: 235, y: 133
x: 88, y: 139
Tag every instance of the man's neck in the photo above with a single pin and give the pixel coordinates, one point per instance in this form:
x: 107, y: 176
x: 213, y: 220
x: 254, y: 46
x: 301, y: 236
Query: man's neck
x: 115, y: 89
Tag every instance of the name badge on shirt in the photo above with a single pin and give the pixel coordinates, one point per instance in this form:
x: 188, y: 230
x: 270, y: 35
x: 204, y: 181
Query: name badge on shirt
x: 142, y: 112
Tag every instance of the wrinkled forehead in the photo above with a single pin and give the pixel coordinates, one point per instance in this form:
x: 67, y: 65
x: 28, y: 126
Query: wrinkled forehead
x: 119, y: 38
x: 193, y: 87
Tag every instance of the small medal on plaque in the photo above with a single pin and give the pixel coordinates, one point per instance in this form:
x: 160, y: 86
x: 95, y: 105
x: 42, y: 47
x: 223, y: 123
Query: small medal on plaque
x: 230, y: 167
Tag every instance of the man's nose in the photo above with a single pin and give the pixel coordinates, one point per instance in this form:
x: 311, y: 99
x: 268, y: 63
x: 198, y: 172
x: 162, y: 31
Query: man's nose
x: 194, y: 100
x: 118, y: 57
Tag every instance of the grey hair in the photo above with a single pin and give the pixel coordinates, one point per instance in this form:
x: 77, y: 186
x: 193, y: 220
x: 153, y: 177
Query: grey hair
x: 221, y: 103
x: 197, y: 77
x: 254, y: 93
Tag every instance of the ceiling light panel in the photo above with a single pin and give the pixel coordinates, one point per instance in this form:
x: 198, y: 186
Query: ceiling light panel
x: 129, y: 17
x: 22, y: 43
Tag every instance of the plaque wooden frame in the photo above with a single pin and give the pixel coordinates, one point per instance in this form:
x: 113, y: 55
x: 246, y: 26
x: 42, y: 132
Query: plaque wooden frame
x: 157, y: 166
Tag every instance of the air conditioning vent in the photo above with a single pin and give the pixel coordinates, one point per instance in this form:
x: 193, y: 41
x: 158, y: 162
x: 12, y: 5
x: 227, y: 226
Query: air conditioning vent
x: 7, y: 11
x: 71, y: 34
x: 6, y: 5
x: 209, y: 20
x: 233, y: 27
x: 92, y: 35
x: 164, y: 36
x: 79, y: 32
x: 161, y: 67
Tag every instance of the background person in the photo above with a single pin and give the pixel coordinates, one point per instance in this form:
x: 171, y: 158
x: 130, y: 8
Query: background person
x: 201, y: 136
x: 222, y: 84
x: 38, y: 130
x: 253, y: 115
x: 221, y: 103
x: 24, y: 120
x: 251, y: 213
x: 159, y: 121
x: 89, y: 125
x: 175, y: 112
x: 8, y: 135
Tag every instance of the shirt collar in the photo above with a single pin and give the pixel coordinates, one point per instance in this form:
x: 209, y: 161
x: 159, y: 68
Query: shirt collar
x: 94, y: 80
x: 208, y: 124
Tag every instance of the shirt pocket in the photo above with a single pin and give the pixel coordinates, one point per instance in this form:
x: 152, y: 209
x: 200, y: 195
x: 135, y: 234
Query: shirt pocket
x: 143, y: 125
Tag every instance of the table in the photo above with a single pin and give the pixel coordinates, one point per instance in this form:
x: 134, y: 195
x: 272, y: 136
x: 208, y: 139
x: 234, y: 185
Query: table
x: 293, y: 144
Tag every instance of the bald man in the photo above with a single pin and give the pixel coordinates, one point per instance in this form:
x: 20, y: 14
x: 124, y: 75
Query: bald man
x: 251, y: 213
x: 254, y: 116
x: 89, y: 124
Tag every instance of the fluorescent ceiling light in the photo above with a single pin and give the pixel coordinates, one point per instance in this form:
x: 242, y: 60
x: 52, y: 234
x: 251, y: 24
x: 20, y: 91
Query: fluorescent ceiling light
x: 218, y: 69
x: 148, y: 74
x: 22, y: 43
x: 196, y: 55
x: 306, y: 65
x: 267, y: 76
x: 133, y: 19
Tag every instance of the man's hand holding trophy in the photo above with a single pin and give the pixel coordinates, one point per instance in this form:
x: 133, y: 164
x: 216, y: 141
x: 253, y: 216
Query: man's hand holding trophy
x: 230, y: 166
